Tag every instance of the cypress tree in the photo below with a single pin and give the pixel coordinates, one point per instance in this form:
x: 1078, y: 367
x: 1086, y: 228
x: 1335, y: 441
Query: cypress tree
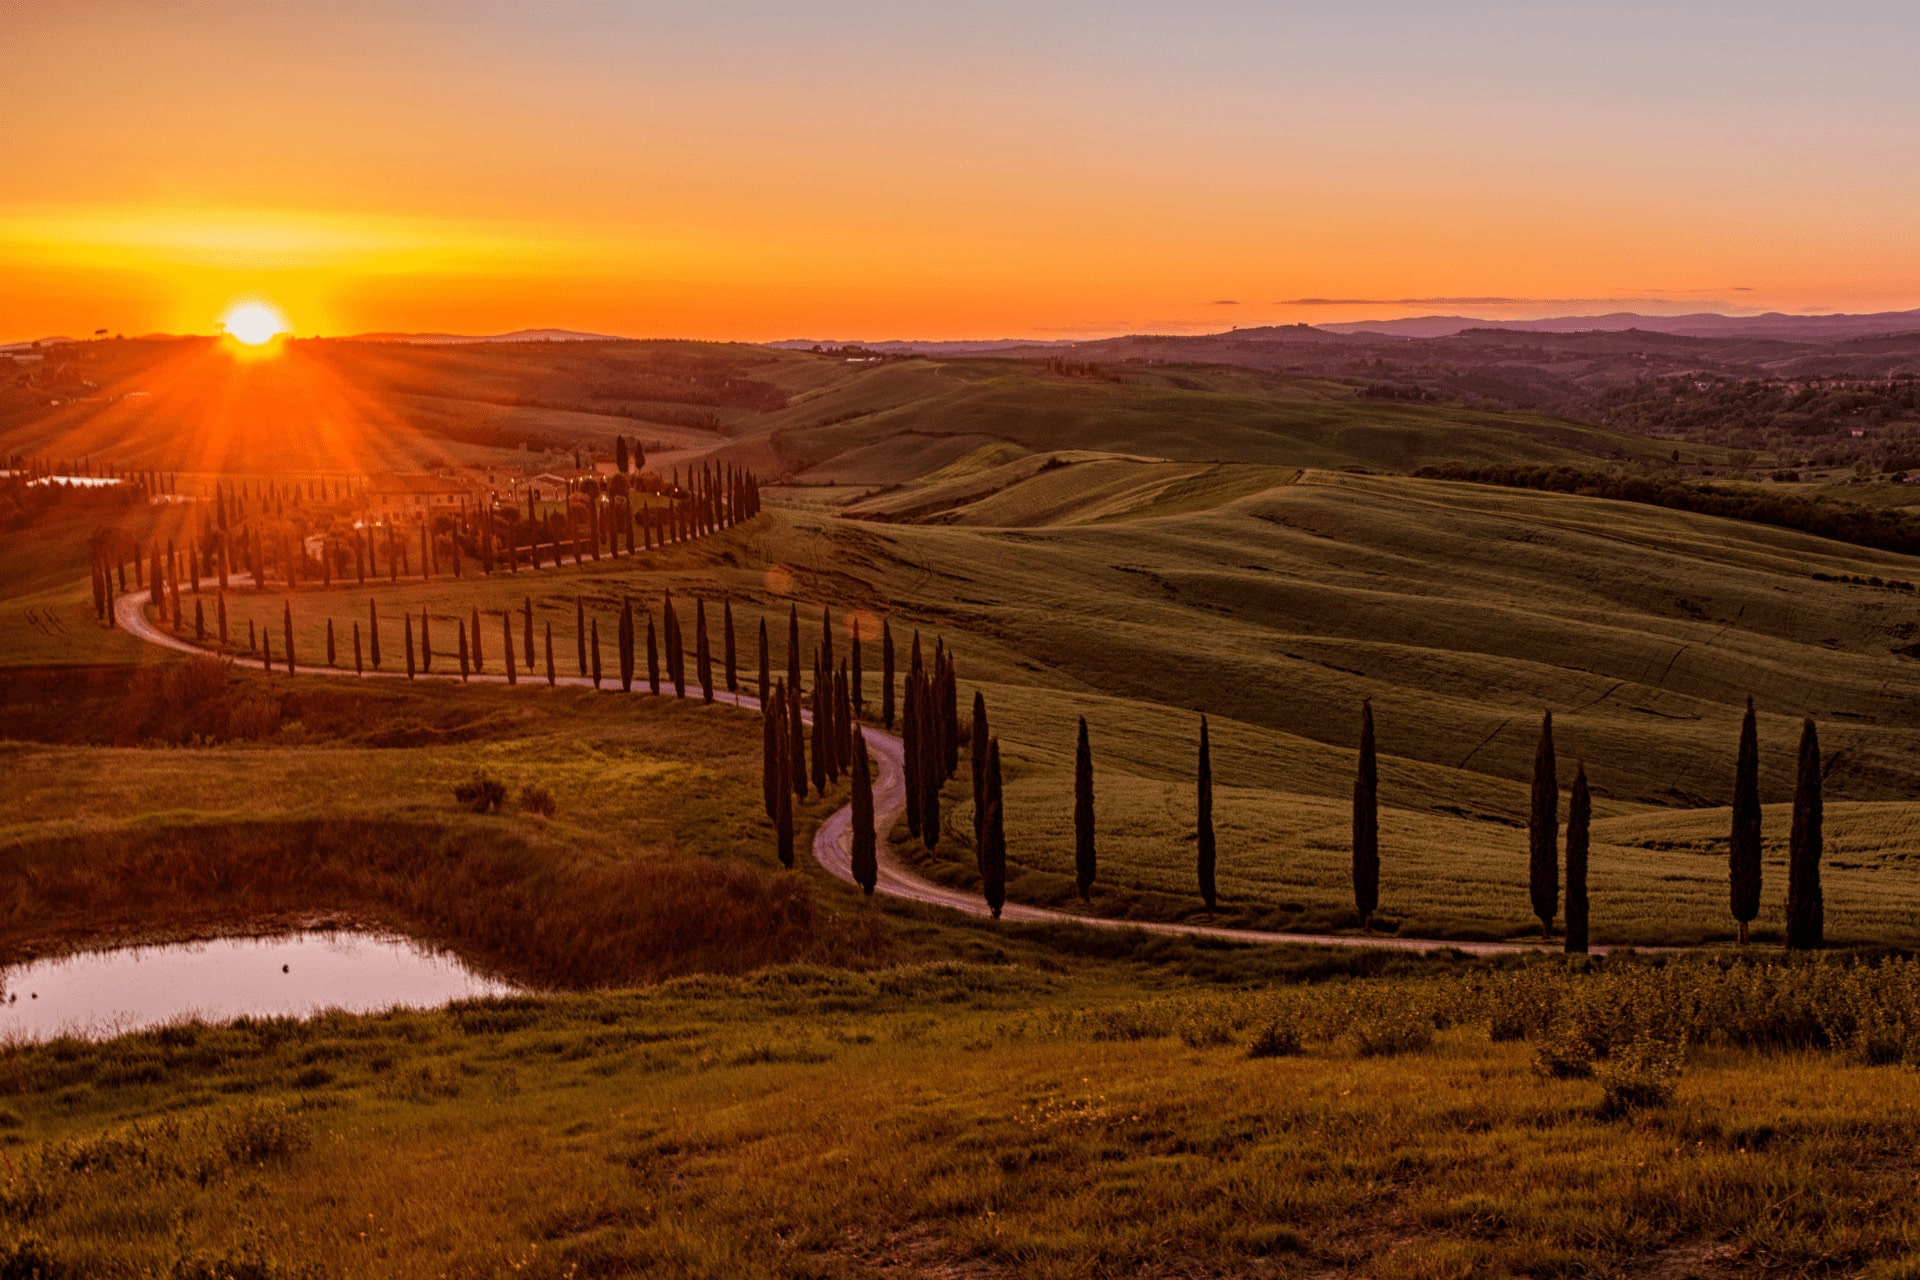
x: 703, y: 655
x: 266, y: 651
x: 822, y: 750
x: 200, y: 627
x: 595, y: 624
x: 506, y: 645
x: 1083, y: 851
x: 1203, y: 832
x: 1543, y: 832
x: 358, y: 670
x: 1806, y: 907
x: 1743, y: 845
x: 766, y: 671
x: 886, y: 673
x: 580, y: 632
x: 1366, y: 824
x: 461, y: 623
x: 995, y: 855
x: 911, y: 755
x: 733, y: 670
x: 409, y: 621
x: 330, y: 662
x: 426, y: 643
x: 653, y: 656
x: 220, y: 614
x: 676, y: 647
x: 949, y: 699
x: 792, y: 782
x: 252, y: 643
x: 977, y: 758
x: 866, y: 865
x: 793, y: 647
x: 843, y: 718
x: 286, y: 622
x: 551, y: 679
x: 373, y: 633
x: 859, y: 697
x: 479, y: 662
x: 1579, y: 818
x: 796, y: 745
x: 771, y: 744
x: 826, y: 638
x: 526, y: 629
x: 930, y: 772
x: 626, y: 646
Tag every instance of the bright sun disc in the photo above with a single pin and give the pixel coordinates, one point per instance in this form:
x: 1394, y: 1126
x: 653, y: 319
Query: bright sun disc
x: 254, y: 324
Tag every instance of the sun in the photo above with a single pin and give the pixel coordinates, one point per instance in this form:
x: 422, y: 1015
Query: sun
x: 253, y: 324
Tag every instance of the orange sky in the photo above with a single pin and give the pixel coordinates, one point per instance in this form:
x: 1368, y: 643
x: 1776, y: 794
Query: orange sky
x: 964, y: 170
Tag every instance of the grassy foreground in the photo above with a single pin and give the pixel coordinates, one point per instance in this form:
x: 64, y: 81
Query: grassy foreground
x: 966, y: 1120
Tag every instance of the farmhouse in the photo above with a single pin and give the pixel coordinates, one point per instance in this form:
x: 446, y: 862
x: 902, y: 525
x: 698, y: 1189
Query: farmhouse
x: 417, y: 492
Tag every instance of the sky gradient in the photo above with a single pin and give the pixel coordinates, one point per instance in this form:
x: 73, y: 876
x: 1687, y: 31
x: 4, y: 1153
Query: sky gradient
x: 947, y: 170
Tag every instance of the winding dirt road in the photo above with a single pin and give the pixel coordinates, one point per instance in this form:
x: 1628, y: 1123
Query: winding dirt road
x: 833, y: 842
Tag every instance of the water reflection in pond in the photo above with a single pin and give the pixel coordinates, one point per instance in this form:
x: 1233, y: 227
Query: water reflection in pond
x: 109, y: 992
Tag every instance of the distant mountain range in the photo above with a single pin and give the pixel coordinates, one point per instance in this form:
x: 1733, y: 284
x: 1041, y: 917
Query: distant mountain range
x: 455, y: 339
x: 1703, y: 324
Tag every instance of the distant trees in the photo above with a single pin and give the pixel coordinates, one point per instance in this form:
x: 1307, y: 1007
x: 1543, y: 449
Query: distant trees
x: 866, y: 868
x: 1806, y: 908
x: 1743, y: 845
x: 732, y: 670
x: 1543, y: 832
x: 703, y: 655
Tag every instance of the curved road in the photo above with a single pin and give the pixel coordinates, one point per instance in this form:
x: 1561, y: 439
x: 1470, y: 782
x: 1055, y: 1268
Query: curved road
x: 833, y: 842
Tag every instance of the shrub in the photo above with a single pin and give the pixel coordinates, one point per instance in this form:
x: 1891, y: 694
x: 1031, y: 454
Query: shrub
x: 537, y: 799
x: 1642, y: 1074
x: 481, y: 794
x: 1275, y: 1042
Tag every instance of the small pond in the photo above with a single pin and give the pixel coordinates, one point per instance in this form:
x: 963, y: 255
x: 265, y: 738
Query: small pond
x: 106, y: 993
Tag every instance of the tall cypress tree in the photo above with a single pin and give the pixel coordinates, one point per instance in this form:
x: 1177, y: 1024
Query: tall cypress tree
x: 931, y: 776
x: 822, y: 720
x: 373, y: 633
x: 358, y: 669
x: 199, y: 625
x: 479, y: 662
x: 676, y: 647
x: 866, y: 866
x: 886, y: 673
x: 1743, y: 846
x: 286, y: 622
x: 911, y: 754
x: 732, y: 668
x: 793, y: 648
x: 1366, y: 824
x: 702, y: 653
x: 857, y: 692
x: 1579, y: 819
x: 594, y: 625
x: 526, y: 629
x: 653, y: 656
x: 426, y: 642
x: 579, y: 626
x: 766, y: 669
x: 461, y: 623
x: 1806, y: 907
x: 796, y: 745
x: 409, y: 621
x: 1083, y: 852
x: 792, y: 782
x: 1203, y: 842
x: 771, y: 744
x: 626, y: 645
x: 994, y: 878
x: 551, y: 681
x: 1543, y: 832
x: 506, y: 626
x: 977, y: 759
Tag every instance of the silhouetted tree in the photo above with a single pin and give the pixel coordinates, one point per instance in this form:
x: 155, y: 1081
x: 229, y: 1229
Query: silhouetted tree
x: 676, y: 647
x: 1543, y: 832
x: 772, y: 743
x: 286, y: 622
x: 580, y: 631
x: 1204, y: 849
x: 766, y: 669
x: 995, y: 856
x: 526, y: 629
x: 1806, y: 907
x: 796, y: 745
x: 653, y: 656
x: 479, y: 662
x: 1366, y: 823
x: 857, y: 691
x: 506, y: 628
x: 373, y: 633
x: 1579, y: 819
x: 732, y: 669
x: 793, y: 647
x: 461, y: 623
x: 977, y: 760
x: 1743, y: 845
x: 358, y: 670
x: 702, y: 654
x: 886, y: 673
x: 199, y: 625
x: 911, y: 753
x: 866, y: 867
x: 626, y: 646
x: 551, y: 681
x: 792, y: 782
x: 594, y: 625
x: 1083, y: 852
x: 409, y: 621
